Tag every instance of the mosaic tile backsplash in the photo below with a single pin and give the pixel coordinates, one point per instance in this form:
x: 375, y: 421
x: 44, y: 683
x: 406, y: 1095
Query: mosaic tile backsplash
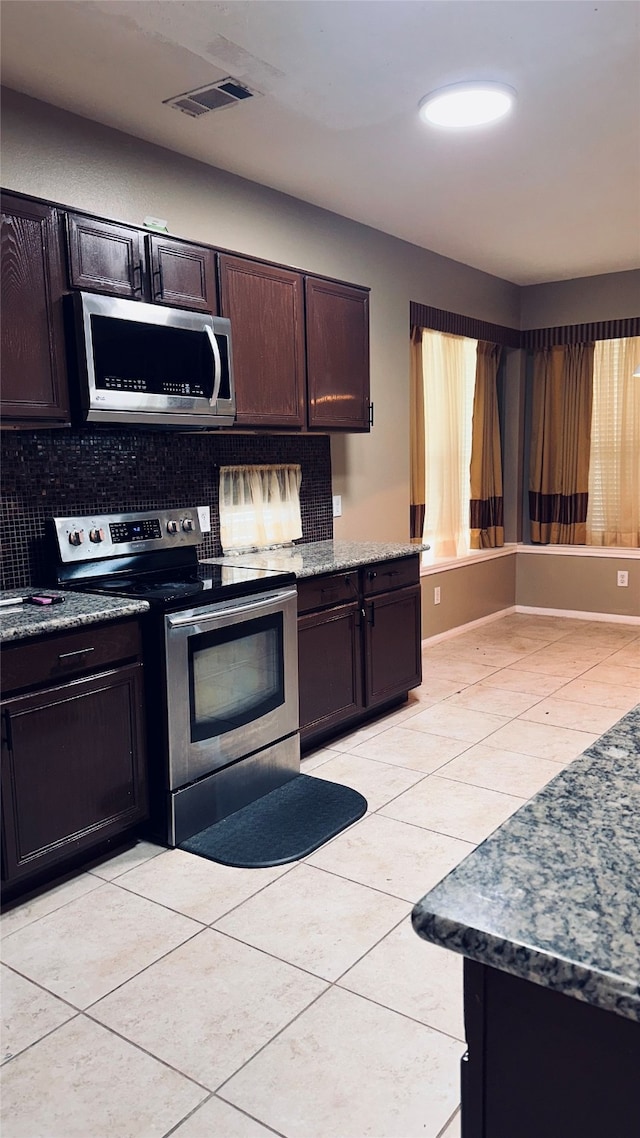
x: 59, y: 473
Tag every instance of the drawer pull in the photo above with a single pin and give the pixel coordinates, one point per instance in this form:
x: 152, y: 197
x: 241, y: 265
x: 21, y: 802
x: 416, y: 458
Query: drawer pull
x: 79, y: 652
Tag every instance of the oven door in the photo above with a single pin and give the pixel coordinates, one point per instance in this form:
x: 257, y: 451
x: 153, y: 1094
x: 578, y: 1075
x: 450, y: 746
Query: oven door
x: 231, y: 681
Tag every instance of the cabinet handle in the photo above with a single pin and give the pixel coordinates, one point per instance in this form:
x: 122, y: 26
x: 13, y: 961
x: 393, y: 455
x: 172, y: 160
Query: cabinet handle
x: 158, y: 292
x: 78, y: 652
x: 372, y: 574
x: 136, y: 269
x: 8, y: 738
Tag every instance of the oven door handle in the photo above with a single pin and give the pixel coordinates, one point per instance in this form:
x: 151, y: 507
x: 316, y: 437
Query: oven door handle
x: 220, y: 612
x: 218, y: 365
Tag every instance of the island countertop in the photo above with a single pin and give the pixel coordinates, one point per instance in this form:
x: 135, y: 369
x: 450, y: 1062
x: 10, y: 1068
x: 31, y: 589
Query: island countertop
x: 553, y: 895
x: 318, y: 557
x: 76, y: 611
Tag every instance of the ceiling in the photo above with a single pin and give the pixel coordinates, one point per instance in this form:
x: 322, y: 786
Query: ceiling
x: 551, y: 193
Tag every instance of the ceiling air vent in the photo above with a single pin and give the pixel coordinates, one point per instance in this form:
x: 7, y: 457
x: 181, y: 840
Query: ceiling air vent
x: 215, y: 97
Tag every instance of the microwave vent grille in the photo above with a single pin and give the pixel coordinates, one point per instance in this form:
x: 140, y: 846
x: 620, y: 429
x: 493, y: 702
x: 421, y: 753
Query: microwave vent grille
x: 214, y: 97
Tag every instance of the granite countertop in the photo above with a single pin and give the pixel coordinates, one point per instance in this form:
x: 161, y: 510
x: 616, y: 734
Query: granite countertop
x: 317, y: 557
x: 553, y: 895
x: 76, y: 611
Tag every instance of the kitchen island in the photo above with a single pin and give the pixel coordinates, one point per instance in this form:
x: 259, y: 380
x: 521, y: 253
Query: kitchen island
x: 547, y: 913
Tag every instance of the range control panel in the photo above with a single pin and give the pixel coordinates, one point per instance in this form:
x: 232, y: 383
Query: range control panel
x: 98, y: 536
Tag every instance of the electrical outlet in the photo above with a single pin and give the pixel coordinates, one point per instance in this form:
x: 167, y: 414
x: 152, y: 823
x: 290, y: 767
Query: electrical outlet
x: 204, y: 517
x: 623, y: 577
x: 436, y: 595
x: 337, y: 505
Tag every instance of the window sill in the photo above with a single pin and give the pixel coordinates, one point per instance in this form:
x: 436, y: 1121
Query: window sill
x: 581, y: 551
x: 431, y: 564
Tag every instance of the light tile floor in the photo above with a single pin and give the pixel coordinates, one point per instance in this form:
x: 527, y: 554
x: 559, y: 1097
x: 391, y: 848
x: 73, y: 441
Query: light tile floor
x: 160, y: 994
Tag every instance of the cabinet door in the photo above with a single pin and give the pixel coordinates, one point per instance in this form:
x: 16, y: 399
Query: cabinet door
x: 105, y: 257
x: 393, y: 657
x: 182, y: 275
x: 73, y: 768
x: 266, y: 309
x: 34, y: 378
x: 337, y: 356
x: 329, y: 668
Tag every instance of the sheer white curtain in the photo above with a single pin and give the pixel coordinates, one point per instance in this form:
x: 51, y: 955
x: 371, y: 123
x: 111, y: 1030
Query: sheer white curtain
x: 449, y: 369
x: 613, y: 515
x: 259, y: 506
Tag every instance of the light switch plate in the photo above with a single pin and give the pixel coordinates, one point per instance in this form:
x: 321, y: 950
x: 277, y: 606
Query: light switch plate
x: 204, y: 517
x: 337, y: 505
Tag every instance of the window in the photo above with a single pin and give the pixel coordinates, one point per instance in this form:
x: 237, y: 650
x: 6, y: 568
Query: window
x: 449, y: 372
x: 613, y: 516
x: 584, y: 474
x: 456, y: 452
x: 259, y: 506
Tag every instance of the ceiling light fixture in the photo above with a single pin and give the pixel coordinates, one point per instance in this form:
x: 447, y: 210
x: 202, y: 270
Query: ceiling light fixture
x: 467, y: 104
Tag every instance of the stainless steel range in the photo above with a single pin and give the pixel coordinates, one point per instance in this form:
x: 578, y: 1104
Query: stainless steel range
x: 221, y: 661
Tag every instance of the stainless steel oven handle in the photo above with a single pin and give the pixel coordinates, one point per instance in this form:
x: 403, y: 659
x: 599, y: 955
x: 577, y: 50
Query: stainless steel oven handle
x: 219, y: 612
x: 216, y: 355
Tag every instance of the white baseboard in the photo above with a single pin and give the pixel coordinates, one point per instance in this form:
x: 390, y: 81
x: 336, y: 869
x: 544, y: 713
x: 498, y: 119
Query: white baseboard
x: 529, y: 610
x: 608, y: 617
x: 467, y: 627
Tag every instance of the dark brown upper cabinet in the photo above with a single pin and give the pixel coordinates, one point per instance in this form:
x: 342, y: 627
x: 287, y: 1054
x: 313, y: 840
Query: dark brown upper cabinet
x: 124, y: 261
x: 337, y: 319
x: 34, y: 377
x: 266, y: 307
x: 182, y: 275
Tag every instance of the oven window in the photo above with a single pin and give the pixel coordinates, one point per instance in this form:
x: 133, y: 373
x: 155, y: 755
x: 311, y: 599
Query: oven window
x: 236, y: 675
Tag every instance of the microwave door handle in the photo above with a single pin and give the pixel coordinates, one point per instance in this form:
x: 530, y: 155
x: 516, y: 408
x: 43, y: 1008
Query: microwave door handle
x: 218, y: 365
x: 223, y: 614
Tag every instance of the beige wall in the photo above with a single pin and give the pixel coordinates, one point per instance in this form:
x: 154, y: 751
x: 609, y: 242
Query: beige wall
x: 52, y: 154
x: 609, y: 296
x: 467, y: 592
x: 578, y: 584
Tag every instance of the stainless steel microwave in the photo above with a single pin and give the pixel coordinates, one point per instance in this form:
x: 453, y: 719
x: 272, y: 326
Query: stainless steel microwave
x: 149, y: 365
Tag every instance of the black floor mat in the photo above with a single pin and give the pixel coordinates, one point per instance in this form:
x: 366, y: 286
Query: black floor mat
x: 282, y: 826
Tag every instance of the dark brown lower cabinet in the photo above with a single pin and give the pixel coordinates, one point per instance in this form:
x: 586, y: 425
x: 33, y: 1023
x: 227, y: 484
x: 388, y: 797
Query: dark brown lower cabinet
x: 540, y: 1063
x: 358, y: 649
x: 392, y: 645
x: 73, y: 768
x: 329, y: 668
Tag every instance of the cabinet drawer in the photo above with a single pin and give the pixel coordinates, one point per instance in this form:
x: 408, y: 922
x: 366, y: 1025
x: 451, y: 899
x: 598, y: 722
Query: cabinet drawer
x: 386, y: 575
x: 42, y: 661
x: 330, y: 589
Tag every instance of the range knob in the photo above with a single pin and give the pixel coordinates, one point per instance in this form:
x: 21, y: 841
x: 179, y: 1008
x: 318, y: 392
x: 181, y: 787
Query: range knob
x: 96, y: 535
x: 76, y: 537
x: 172, y: 527
x: 187, y: 525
